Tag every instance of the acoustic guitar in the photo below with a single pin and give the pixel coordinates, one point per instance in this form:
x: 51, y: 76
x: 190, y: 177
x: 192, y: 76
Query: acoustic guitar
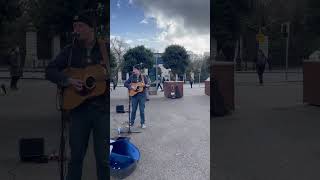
x: 94, y: 84
x: 93, y: 76
x: 173, y: 92
x: 137, y: 88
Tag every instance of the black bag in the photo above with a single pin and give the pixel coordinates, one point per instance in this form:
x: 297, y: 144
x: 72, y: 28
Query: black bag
x: 120, y: 109
x: 31, y: 149
x: 177, y: 92
x: 218, y: 107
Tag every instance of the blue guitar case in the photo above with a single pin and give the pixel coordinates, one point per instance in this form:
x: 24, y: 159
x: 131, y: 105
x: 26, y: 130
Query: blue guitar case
x: 124, y: 158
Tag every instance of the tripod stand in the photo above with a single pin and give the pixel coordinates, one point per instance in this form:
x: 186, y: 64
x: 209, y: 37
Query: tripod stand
x: 63, y: 114
x: 62, y: 148
x: 129, y: 131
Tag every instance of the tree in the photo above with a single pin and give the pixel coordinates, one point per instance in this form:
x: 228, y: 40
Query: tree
x: 313, y: 17
x: 205, y: 69
x: 57, y: 15
x: 9, y: 11
x: 200, y: 65
x: 176, y: 58
x: 138, y: 55
x: 224, y: 26
x: 119, y: 48
x: 113, y: 65
x: 159, y: 71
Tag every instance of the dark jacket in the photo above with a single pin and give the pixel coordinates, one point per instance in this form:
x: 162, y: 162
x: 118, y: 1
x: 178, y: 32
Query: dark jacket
x: 15, y: 64
x: 135, y: 79
x: 79, y: 59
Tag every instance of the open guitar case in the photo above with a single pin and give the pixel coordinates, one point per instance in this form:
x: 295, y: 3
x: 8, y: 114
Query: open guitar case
x: 124, y: 157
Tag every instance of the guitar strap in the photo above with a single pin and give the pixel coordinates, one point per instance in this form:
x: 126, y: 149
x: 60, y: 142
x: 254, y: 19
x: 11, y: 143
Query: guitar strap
x: 142, y: 78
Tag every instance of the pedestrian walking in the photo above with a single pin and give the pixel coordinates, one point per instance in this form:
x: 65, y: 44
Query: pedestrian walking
x: 260, y: 63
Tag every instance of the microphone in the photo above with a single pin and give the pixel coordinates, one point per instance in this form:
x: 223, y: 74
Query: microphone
x: 75, y: 35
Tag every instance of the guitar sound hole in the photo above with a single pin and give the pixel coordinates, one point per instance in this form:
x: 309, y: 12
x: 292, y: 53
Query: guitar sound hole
x: 90, y: 82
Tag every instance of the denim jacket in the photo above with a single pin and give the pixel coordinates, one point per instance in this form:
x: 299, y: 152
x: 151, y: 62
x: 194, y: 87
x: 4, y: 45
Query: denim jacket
x: 135, y: 79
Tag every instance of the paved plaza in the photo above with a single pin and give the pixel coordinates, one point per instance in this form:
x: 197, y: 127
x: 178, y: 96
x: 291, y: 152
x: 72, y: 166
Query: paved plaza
x: 271, y: 135
x: 175, y: 145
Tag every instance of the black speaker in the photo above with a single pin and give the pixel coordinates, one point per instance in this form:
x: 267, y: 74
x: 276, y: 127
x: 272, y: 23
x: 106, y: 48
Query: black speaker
x: 120, y: 109
x: 31, y: 149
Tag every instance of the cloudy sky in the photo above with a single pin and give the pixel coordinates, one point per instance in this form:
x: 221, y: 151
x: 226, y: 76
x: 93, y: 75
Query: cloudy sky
x: 157, y: 24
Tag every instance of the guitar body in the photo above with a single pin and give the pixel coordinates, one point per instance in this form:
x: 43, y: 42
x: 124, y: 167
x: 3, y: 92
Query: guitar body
x: 94, y: 78
x: 138, y: 88
x: 173, y: 92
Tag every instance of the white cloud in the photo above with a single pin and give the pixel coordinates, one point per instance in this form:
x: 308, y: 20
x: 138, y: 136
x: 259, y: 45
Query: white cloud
x: 130, y: 1
x: 183, y: 22
x: 144, y: 21
x: 115, y: 36
x: 129, y: 41
x: 142, y: 40
x: 118, y: 4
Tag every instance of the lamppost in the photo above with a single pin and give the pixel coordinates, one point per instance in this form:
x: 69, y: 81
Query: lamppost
x: 199, y: 75
x: 286, y: 32
x: 157, y: 71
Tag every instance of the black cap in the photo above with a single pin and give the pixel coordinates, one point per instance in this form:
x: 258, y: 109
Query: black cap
x: 137, y: 67
x: 85, y: 17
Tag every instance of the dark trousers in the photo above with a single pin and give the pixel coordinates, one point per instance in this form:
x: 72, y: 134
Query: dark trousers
x: 84, y: 119
x: 114, y: 86
x: 260, y: 71
x: 3, y: 87
x: 159, y: 85
x: 14, y: 81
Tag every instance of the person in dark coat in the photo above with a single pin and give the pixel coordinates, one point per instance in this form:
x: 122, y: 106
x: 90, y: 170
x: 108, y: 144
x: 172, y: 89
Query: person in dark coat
x: 140, y: 98
x: 191, y: 81
x: 93, y: 115
x: 115, y: 82
x: 3, y: 89
x: 261, y: 63
x: 159, y: 79
x: 16, y: 68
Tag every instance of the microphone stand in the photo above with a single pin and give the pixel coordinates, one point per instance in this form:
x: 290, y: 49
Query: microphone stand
x: 63, y: 117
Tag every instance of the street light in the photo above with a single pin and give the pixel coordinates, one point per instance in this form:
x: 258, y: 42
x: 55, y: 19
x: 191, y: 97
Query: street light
x: 286, y: 31
x: 157, y: 72
x: 199, y: 75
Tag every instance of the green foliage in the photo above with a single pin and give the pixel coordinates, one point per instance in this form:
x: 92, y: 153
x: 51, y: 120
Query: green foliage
x: 176, y: 58
x: 312, y: 20
x: 113, y: 62
x: 201, y: 66
x: 224, y: 25
x: 9, y: 10
x: 138, y: 55
x: 58, y: 14
x: 159, y: 71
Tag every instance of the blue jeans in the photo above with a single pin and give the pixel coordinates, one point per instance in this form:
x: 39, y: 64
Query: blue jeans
x: 84, y: 119
x: 136, y: 100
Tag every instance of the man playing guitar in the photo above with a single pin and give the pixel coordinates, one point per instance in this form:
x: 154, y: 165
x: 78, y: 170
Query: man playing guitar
x: 137, y: 83
x: 92, y: 114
